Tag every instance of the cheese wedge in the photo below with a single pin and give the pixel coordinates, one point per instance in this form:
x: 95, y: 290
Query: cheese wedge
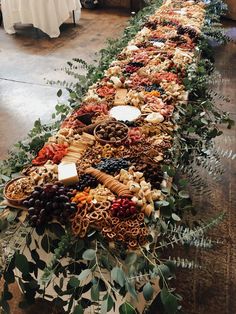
x: 67, y: 173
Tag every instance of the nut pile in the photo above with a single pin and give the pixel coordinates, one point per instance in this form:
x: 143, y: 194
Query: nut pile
x: 111, y: 131
x: 20, y: 188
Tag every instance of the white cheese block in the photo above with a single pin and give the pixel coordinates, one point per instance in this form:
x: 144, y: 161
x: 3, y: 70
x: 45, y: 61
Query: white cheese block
x: 67, y: 173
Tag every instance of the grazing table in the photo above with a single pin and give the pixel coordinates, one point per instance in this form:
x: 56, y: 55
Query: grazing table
x: 47, y: 15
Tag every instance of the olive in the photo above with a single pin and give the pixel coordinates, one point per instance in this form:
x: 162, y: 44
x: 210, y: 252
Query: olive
x: 38, y: 222
x: 67, y: 205
x: 55, y: 205
x: 34, y: 219
x: 38, y: 189
x: 25, y: 203
x: 31, y: 210
x: 37, y: 203
x: 43, y: 212
x: 35, y: 194
x: 61, y: 191
x: 31, y: 202
x: 56, y: 198
x: 63, y: 198
x: 48, y: 206
x: 43, y: 195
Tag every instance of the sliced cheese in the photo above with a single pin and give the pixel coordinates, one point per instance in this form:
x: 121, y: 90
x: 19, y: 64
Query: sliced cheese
x: 67, y: 173
x: 120, y: 96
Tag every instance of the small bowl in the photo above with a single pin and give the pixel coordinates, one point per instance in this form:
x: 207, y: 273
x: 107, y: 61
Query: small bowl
x: 104, y: 142
x: 12, y: 201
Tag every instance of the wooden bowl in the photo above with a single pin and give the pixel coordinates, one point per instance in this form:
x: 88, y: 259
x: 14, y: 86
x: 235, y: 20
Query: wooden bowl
x: 104, y: 142
x: 13, y: 201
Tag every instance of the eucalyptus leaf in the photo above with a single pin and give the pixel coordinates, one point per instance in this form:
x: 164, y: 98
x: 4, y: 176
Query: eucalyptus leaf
x: 9, y: 276
x: 45, y: 243
x: 57, y: 229
x: 148, y: 291
x: 78, y: 309
x: 118, y: 275
x: 169, y: 301
x: 12, y: 216
x: 184, y: 194
x: 74, y: 282
x: 104, y: 306
x: 89, y: 255
x: 110, y: 303
x: 164, y: 270
x: 59, y: 93
x: 21, y: 263
x: 175, y: 217
x: 131, y: 289
x: 95, y: 292
x: 126, y: 308
x: 131, y: 258
x: 84, y: 274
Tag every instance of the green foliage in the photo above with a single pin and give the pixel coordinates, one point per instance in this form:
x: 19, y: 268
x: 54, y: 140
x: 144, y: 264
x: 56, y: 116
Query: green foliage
x: 83, y: 262
x: 169, y: 301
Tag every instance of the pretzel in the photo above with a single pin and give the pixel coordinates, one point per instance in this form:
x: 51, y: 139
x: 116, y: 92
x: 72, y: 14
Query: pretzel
x: 144, y: 232
x: 133, y: 244
x: 95, y: 216
x: 76, y: 227
x: 140, y: 217
x: 120, y: 237
x: 131, y: 231
x: 135, y: 232
x: 111, y: 235
x: 105, y: 215
x: 115, y: 221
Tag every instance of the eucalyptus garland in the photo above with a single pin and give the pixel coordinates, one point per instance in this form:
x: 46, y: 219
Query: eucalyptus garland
x: 89, y: 271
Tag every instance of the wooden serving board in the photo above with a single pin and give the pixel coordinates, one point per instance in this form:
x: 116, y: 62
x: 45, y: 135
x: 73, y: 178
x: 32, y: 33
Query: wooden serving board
x: 6, y: 203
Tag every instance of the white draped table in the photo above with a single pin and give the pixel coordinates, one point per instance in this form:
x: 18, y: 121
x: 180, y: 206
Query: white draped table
x: 47, y: 15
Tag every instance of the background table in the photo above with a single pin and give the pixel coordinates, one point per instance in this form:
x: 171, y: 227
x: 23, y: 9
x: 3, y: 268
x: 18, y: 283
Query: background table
x: 47, y: 15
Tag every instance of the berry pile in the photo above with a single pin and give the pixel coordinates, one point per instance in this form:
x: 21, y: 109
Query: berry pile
x: 181, y: 30
x: 154, y: 87
x: 136, y: 64
x: 86, y: 181
x: 123, y: 208
x: 161, y: 40
x: 112, y: 165
x: 50, y: 202
x: 151, y: 24
x: 154, y: 175
x: 169, y: 23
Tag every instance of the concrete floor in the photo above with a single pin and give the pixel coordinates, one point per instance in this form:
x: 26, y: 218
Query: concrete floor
x: 29, y: 59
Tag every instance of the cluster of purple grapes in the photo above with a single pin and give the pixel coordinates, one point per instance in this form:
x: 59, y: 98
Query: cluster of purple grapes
x: 50, y: 202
